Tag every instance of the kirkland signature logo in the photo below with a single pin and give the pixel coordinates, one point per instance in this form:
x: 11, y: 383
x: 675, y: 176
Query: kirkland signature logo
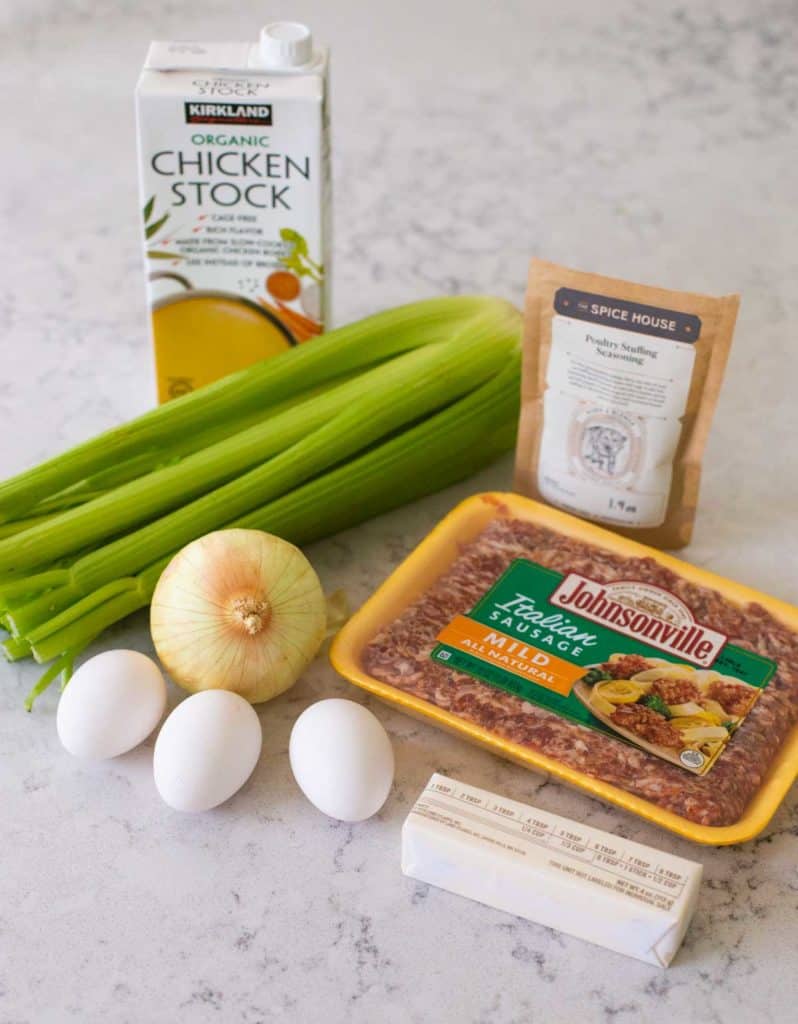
x: 228, y: 113
x: 643, y: 611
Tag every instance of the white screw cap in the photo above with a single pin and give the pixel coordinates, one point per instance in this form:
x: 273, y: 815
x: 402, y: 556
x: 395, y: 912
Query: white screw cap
x: 285, y: 44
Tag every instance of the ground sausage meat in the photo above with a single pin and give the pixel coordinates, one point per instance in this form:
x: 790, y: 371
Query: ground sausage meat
x: 733, y: 698
x: 626, y: 667
x: 676, y: 691
x: 400, y: 655
x: 647, y: 724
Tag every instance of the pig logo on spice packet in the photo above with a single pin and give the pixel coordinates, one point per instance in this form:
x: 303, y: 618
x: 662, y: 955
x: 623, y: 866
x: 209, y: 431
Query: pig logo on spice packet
x: 593, y: 653
x: 606, y: 446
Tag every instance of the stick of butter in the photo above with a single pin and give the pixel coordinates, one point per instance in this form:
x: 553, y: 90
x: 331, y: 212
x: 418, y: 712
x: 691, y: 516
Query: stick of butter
x: 590, y: 884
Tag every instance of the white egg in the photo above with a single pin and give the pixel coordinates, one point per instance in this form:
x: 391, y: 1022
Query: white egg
x: 207, y: 749
x: 112, y: 703
x: 342, y: 759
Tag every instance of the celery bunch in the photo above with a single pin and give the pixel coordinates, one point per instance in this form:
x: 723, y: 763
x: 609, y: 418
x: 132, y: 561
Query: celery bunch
x: 310, y: 442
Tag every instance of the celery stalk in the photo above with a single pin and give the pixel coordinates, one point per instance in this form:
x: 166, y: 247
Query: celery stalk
x: 451, y: 445
x: 79, y: 609
x: 22, y: 619
x: 15, y: 648
x: 11, y: 529
x: 311, y: 451
x: 419, y: 383
x: 143, y: 500
x: 27, y: 586
x: 442, y: 450
x: 63, y: 667
x: 153, y: 460
x: 340, y: 351
x: 91, y: 625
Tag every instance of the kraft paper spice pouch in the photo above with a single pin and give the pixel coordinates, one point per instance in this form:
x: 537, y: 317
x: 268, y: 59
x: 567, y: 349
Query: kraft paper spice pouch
x: 619, y: 385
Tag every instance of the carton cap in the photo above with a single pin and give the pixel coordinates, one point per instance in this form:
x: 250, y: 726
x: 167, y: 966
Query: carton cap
x: 285, y: 44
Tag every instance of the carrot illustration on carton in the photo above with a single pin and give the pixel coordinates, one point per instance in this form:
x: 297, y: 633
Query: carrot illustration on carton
x: 287, y: 286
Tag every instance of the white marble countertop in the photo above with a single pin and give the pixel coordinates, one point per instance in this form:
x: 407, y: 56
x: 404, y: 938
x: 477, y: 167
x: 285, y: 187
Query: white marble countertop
x: 632, y: 137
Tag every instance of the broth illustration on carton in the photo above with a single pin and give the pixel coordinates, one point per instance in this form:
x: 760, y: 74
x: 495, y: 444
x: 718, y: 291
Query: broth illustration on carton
x: 234, y: 175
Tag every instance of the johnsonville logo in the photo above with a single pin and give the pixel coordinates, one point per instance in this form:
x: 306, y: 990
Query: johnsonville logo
x: 642, y: 611
x: 228, y: 113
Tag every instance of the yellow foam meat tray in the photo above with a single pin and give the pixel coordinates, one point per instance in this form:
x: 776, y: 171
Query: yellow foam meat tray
x: 432, y: 558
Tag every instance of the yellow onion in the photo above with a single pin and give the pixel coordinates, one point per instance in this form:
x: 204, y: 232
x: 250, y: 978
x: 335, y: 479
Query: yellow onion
x: 238, y: 610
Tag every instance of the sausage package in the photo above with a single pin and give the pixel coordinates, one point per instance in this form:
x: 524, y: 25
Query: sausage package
x: 641, y: 679
x: 620, y: 382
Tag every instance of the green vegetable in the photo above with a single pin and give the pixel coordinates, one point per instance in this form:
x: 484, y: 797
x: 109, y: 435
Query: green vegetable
x: 153, y: 229
x: 595, y: 675
x: 345, y: 350
x: 303, y: 440
x: 479, y: 428
x: 298, y: 259
x: 151, y: 460
x: 656, y: 703
x: 310, y: 442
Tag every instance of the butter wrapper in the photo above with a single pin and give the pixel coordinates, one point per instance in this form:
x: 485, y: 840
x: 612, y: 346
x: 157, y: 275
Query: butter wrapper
x: 587, y: 883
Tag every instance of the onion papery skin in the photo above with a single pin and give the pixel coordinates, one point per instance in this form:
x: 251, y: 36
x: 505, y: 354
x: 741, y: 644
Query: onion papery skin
x: 238, y: 610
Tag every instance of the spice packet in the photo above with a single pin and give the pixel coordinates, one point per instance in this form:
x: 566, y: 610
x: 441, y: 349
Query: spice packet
x: 619, y: 385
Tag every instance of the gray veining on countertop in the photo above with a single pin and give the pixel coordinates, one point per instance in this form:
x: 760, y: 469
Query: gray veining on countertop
x: 634, y: 137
